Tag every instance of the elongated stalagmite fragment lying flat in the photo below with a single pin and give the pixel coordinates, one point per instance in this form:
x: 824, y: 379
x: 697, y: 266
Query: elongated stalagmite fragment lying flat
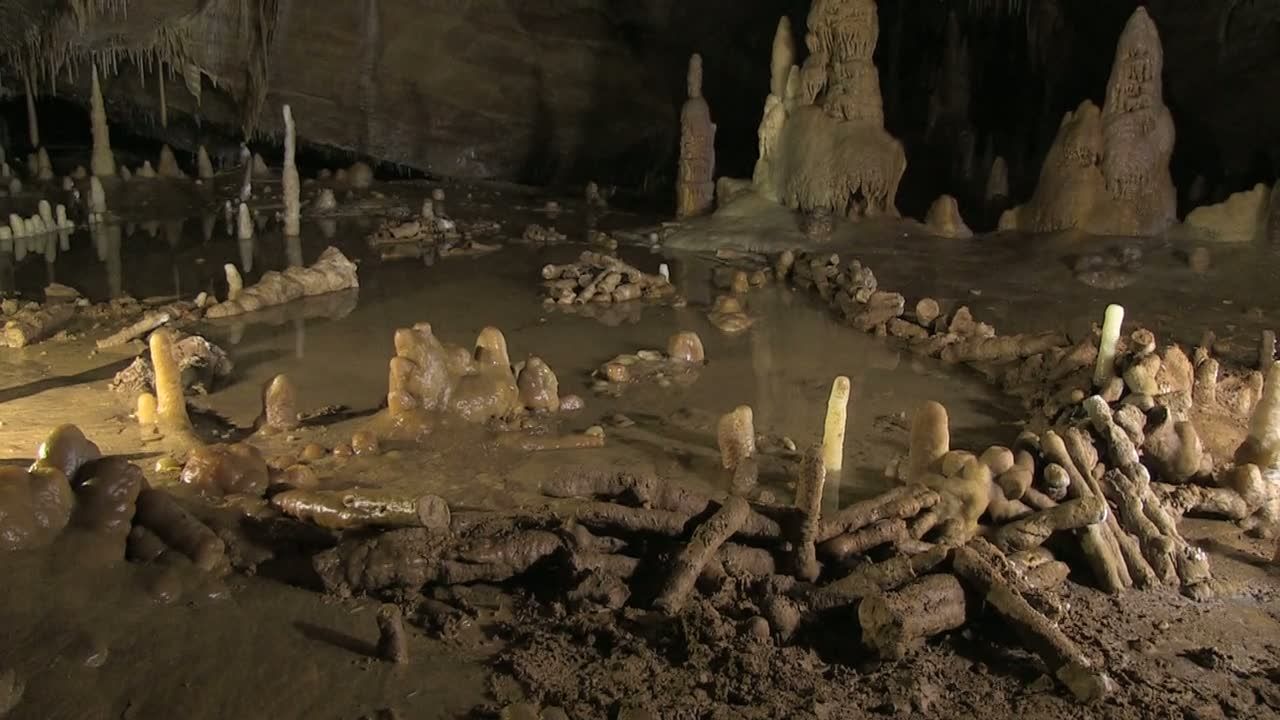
x: 31, y: 326
x: 363, y: 507
x: 332, y: 272
x: 702, y: 547
x: 987, y: 571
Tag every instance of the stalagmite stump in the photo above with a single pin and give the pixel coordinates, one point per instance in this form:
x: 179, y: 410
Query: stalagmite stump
x: 393, y: 642
x: 895, y: 623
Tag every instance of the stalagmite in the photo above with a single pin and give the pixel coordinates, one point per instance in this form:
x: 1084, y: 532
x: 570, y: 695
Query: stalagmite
x: 358, y: 508
x: 246, y: 162
x: 168, y: 164
x: 823, y: 145
x: 930, y: 440
x: 44, y: 168
x: 331, y: 272
x: 234, y: 282
x: 1107, y: 172
x: 695, y: 183
x: 97, y: 199
x: 180, y: 530
x: 393, y: 642
x: 1106, y: 367
x: 103, y: 163
x: 834, y: 425
x: 706, y: 540
x: 204, y: 166
x: 895, y: 623
x: 46, y: 214
x: 289, y: 178
x: 1262, y: 446
x: 809, y: 486
x: 736, y: 436
x: 989, y: 573
x: 1241, y: 218
x: 244, y: 223
x: 998, y: 182
x: 279, y: 405
x: 944, y: 219
x: 171, y: 404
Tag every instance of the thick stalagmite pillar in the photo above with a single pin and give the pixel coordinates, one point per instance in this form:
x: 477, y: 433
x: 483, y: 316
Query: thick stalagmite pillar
x: 103, y: 163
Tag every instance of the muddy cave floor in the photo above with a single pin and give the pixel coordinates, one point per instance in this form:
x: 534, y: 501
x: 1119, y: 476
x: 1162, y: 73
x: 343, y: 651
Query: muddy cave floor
x: 122, y: 641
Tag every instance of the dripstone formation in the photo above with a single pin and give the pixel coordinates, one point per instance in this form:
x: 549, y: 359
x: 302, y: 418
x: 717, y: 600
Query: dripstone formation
x: 695, y: 186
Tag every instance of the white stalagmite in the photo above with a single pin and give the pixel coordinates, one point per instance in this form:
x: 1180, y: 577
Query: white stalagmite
x: 1106, y: 367
x: 97, y: 197
x: 833, y: 430
x: 289, y: 178
x: 234, y: 282
x: 244, y: 223
x: 15, y: 225
x: 60, y: 216
x: 103, y: 163
x: 204, y: 166
x: 246, y: 162
x: 46, y: 213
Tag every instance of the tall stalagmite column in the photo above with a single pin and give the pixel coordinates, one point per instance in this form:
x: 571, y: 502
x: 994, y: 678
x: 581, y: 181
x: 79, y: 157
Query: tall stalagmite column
x: 289, y: 178
x: 33, y: 121
x: 103, y: 163
x: 695, y: 184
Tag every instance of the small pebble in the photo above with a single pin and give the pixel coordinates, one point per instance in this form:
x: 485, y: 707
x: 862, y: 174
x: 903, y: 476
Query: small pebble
x: 364, y: 443
x: 313, y: 452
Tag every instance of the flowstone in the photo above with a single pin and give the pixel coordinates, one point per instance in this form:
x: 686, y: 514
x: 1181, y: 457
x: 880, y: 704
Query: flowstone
x: 1107, y: 172
x: 823, y: 145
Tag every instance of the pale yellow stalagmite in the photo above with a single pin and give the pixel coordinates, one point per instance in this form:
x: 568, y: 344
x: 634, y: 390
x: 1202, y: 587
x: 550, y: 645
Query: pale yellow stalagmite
x: 171, y: 405
x: 1106, y: 366
x: 146, y: 409
x: 1262, y: 446
x: 736, y: 436
x: 930, y: 440
x: 103, y: 163
x: 289, y: 178
x: 833, y: 431
x: 244, y: 223
x: 97, y: 199
x: 235, y: 284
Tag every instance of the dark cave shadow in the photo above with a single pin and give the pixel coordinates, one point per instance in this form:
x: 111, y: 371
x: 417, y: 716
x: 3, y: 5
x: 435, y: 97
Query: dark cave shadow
x: 100, y: 373
x: 329, y: 636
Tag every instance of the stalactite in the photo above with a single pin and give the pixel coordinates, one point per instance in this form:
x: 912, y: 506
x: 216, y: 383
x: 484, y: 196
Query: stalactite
x: 164, y: 105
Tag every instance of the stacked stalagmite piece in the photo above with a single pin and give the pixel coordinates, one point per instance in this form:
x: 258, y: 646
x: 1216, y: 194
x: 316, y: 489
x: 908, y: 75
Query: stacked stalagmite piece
x: 600, y: 278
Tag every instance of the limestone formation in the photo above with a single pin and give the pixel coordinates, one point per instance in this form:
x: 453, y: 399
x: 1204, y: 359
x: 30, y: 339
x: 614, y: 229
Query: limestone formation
x: 103, y: 163
x: 695, y: 185
x: 1107, y: 172
x: 289, y: 179
x: 944, y: 219
x: 168, y: 165
x: 997, y: 182
x: 279, y: 405
x: 823, y: 144
x: 244, y: 223
x: 1242, y: 217
x: 204, y: 166
x: 834, y: 425
x: 97, y: 199
x: 44, y: 168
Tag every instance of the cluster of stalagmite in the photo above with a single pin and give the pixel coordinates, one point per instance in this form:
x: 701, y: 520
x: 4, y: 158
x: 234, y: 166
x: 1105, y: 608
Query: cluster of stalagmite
x: 433, y: 233
x: 1107, y: 172
x: 332, y: 272
x: 679, y: 366
x: 1245, y: 217
x: 823, y: 146
x: 429, y: 380
x: 601, y: 278
x: 1114, y: 423
x: 695, y: 182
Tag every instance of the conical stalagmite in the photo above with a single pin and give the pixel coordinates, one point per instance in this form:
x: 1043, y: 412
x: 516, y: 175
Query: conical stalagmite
x: 103, y: 163
x: 289, y: 178
x: 168, y: 164
x: 244, y: 223
x: 279, y: 405
x: 204, y: 167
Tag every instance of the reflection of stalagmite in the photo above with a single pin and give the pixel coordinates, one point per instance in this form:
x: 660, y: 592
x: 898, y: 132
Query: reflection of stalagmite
x: 103, y: 163
x: 97, y: 199
x: 204, y: 167
x: 824, y: 146
x: 289, y: 178
x: 1107, y: 172
x: 695, y: 186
